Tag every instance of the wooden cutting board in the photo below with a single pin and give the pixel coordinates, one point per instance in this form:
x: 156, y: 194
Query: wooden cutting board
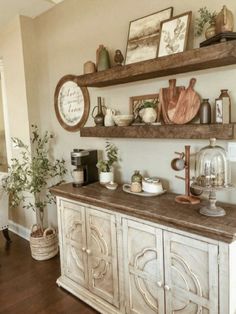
x: 187, y: 106
x: 168, y: 98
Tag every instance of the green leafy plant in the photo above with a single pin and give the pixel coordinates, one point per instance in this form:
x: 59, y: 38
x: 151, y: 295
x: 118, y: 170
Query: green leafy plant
x: 30, y: 174
x: 206, y: 17
x: 148, y: 104
x: 112, y: 157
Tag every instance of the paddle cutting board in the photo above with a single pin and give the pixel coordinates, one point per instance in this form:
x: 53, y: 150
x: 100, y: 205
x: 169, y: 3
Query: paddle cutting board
x: 168, y: 98
x: 187, y: 106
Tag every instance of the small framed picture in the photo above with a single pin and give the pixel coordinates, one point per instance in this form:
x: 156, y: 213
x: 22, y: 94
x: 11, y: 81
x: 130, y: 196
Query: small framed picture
x: 143, y: 36
x: 174, y: 34
x: 218, y: 111
x: 137, y: 102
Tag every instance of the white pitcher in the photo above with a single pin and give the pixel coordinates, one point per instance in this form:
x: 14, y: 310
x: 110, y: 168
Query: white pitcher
x: 109, y: 121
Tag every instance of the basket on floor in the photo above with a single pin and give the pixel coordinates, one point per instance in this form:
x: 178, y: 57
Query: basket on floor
x: 45, y: 246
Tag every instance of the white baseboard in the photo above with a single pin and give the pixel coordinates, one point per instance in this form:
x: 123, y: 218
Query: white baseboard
x: 19, y: 230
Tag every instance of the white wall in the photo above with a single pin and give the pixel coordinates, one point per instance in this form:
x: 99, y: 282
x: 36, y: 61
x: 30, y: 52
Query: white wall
x: 68, y: 35
x: 11, y: 53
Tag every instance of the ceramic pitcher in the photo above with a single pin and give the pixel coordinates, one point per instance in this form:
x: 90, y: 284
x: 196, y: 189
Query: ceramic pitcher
x: 109, y: 121
x: 224, y: 21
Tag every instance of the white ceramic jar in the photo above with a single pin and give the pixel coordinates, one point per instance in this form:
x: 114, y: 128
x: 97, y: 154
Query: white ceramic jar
x: 106, y: 177
x: 152, y: 185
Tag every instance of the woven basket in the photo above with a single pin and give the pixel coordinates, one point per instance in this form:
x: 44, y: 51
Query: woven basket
x: 45, y: 247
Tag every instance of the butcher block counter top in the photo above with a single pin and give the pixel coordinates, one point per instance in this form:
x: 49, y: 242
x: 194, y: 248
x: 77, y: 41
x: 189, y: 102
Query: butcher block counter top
x: 159, y: 209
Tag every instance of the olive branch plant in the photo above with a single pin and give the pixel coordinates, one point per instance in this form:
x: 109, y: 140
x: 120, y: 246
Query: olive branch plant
x: 205, y: 17
x: 111, y: 157
x: 32, y: 172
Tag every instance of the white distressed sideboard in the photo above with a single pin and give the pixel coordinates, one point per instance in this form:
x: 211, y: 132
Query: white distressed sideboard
x: 119, y: 259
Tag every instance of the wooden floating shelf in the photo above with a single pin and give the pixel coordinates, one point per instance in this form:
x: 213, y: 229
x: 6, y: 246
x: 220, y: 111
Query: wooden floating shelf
x: 191, y: 60
x: 187, y: 131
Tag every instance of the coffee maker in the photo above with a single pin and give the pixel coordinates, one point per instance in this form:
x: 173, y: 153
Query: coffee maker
x: 85, y: 162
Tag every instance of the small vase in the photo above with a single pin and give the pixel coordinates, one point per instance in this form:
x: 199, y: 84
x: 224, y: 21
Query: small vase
x: 99, y: 117
x: 205, y: 112
x: 106, y: 177
x: 210, y: 31
x: 103, y: 59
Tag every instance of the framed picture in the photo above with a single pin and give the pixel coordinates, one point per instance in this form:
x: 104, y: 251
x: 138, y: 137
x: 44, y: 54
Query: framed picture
x: 143, y: 36
x: 174, y: 34
x: 136, y: 102
x: 71, y: 103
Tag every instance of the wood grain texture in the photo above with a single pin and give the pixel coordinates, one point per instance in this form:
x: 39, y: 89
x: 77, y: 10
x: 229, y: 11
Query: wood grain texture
x: 161, y: 209
x: 192, y: 60
x: 169, y: 98
x: 187, y: 131
x: 187, y: 106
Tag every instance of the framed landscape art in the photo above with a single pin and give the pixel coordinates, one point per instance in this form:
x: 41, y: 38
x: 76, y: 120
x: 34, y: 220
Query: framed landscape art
x: 143, y: 36
x: 174, y: 34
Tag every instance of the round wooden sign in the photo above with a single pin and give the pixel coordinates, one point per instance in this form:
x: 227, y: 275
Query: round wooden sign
x: 71, y: 103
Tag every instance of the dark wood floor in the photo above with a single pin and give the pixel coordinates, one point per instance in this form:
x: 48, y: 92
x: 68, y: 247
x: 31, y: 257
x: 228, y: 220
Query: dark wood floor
x: 28, y: 286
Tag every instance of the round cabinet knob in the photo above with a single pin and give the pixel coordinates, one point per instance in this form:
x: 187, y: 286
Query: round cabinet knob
x: 167, y: 288
x: 88, y: 251
x: 159, y: 284
x: 83, y: 249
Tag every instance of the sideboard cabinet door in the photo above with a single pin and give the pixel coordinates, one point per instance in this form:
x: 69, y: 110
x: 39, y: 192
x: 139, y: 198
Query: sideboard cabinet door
x: 73, y: 237
x: 102, y: 255
x: 143, y: 267
x: 191, y: 275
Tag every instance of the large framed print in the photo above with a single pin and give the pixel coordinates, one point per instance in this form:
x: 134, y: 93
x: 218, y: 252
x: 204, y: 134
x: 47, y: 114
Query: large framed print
x: 143, y: 36
x: 71, y: 103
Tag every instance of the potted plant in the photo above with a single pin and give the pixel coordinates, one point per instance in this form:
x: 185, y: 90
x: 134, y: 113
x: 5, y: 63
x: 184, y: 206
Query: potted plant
x: 28, y: 182
x: 106, y: 166
x: 148, y: 112
x: 206, y: 18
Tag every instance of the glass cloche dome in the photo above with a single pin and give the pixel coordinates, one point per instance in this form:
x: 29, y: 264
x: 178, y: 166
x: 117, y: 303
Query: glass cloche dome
x: 212, y: 167
x: 212, y: 175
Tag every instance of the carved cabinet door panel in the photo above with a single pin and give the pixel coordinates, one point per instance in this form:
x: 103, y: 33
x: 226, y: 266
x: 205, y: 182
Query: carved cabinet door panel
x: 74, y: 242
x: 143, y: 267
x: 191, y: 275
x: 102, y: 255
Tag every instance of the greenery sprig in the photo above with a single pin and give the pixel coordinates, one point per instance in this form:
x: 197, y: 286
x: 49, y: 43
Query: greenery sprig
x: 112, y: 157
x: 206, y: 17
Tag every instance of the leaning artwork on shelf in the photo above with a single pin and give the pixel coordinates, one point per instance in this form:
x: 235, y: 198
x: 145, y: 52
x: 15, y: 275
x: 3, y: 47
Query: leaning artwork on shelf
x: 174, y: 34
x: 138, y: 102
x: 143, y: 36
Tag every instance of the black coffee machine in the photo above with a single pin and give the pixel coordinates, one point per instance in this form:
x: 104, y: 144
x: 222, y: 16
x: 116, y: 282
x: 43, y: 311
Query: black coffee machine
x: 86, y: 171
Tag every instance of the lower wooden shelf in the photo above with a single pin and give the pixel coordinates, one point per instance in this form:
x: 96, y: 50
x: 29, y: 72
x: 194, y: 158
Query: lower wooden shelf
x: 187, y: 131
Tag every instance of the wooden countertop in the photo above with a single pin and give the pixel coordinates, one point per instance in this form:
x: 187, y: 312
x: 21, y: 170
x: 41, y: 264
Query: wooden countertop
x: 159, y: 209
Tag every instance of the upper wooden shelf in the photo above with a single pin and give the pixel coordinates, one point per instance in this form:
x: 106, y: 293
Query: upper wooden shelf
x: 191, y: 60
x: 186, y: 131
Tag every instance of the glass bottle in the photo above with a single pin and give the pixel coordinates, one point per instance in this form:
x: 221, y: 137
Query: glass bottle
x: 136, y: 182
x: 226, y: 105
x: 205, y: 112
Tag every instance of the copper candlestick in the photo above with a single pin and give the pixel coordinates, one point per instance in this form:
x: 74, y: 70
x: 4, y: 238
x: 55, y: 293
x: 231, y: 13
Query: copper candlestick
x: 184, y: 163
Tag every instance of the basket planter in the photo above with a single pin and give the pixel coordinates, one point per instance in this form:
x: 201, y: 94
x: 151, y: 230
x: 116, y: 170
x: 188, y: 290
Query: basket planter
x: 44, y: 247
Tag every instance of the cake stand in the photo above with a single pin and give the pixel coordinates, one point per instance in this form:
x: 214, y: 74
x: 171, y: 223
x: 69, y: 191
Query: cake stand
x: 211, y: 209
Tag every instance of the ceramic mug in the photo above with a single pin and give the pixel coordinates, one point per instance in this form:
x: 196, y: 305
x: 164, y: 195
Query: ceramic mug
x: 178, y: 164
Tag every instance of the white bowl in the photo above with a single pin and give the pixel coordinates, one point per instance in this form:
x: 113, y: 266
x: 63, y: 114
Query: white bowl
x: 123, y: 119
